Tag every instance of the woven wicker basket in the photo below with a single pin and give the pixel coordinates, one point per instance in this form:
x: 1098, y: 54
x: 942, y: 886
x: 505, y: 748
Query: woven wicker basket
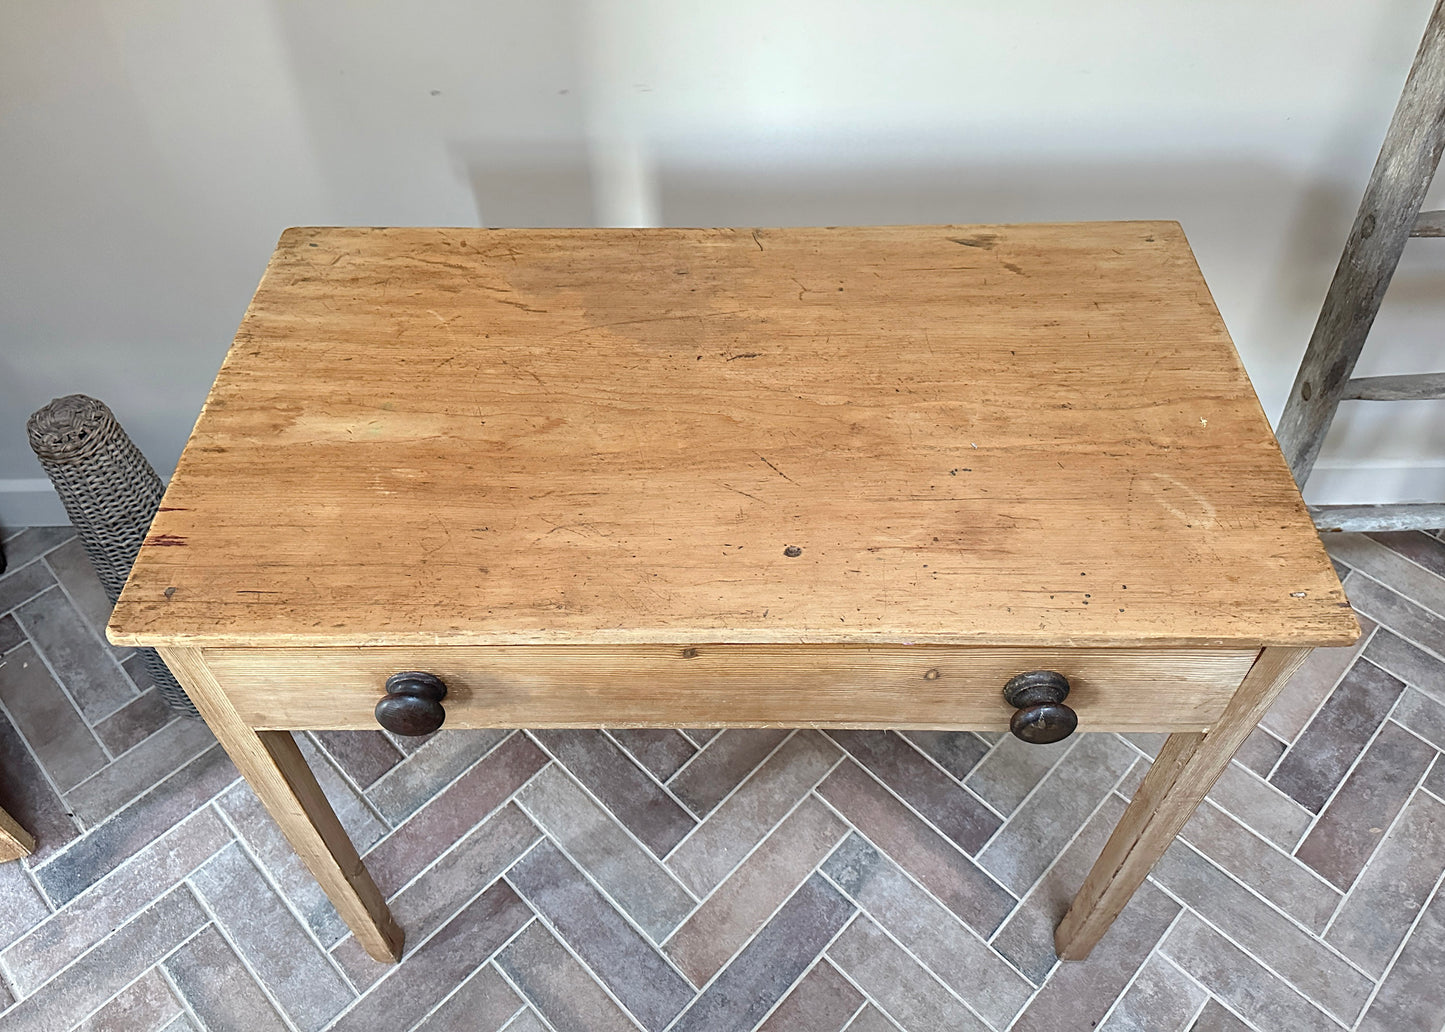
x: 110, y: 493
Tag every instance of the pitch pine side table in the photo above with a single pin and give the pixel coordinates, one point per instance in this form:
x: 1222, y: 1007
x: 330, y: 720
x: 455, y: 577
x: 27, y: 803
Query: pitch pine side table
x: 852, y: 477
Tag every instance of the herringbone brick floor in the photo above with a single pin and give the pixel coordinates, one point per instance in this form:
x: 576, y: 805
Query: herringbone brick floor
x: 685, y: 880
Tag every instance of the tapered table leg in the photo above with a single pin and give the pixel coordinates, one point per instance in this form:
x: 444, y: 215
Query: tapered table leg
x: 277, y: 772
x: 1183, y: 773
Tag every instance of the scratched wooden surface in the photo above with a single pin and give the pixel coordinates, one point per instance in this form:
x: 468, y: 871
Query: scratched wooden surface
x: 1013, y: 435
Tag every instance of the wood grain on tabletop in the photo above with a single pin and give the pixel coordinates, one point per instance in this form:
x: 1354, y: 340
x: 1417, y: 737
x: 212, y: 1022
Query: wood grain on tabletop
x: 1017, y: 435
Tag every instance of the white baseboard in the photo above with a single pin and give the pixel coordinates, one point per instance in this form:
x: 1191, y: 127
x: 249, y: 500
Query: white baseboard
x: 1375, y: 485
x: 30, y: 502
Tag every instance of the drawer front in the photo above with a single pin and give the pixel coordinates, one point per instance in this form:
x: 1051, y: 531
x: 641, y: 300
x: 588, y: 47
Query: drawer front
x: 920, y: 686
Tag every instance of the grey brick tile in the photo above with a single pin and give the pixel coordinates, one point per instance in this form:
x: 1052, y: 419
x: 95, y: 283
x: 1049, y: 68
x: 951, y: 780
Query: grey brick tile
x: 266, y: 843
x: 54, y: 730
x: 1422, y: 715
x: 114, y: 900
x: 430, y: 901
x: 181, y: 1023
x: 1314, y: 680
x: 871, y: 1019
x: 1215, y: 1017
x: 1412, y: 995
x: 81, y: 660
x: 1276, y: 876
x: 427, y: 975
x: 1036, y: 831
x: 527, y: 1021
x: 935, y: 862
x: 635, y: 879
x: 22, y: 583
x: 700, y: 736
x: 218, y: 987
x: 1079, y: 993
x: 72, y: 569
x: 287, y: 961
x: 1263, y: 932
x: 1262, y: 807
x: 359, y: 820
x: 483, y: 1003
x: 1260, y: 752
x: 1317, y: 761
x: 558, y: 986
x: 619, y: 956
x: 28, y: 797
x: 1393, y: 887
x: 611, y: 775
x: 1416, y: 546
x: 10, y: 633
x: 1161, y: 999
x: 957, y: 752
x: 23, y: 908
x: 1239, y: 981
x: 147, y: 1003
x: 139, y: 673
x: 1351, y: 827
x: 1390, y: 567
x: 89, y: 859
x: 405, y: 788
x: 716, y: 847
x: 124, y: 956
x: 893, y: 979
x: 1011, y: 770
x: 766, y: 969
x: 433, y: 829
x: 740, y: 905
x: 1402, y: 616
x: 1435, y: 780
x: 32, y: 542
x: 952, y: 810
x: 364, y: 755
x: 1409, y: 662
x: 929, y: 931
x: 1027, y: 938
x: 137, y: 771
x: 821, y: 1001
x: 136, y: 721
x: 662, y: 750
x: 721, y: 766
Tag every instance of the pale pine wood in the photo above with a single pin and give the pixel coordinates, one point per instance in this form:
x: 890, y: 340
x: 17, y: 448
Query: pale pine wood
x: 1007, y: 435
x: 1182, y: 775
x: 277, y: 772
x: 15, y: 841
x: 922, y: 686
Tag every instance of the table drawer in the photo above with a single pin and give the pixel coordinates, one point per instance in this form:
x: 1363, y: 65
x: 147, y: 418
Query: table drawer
x: 919, y: 686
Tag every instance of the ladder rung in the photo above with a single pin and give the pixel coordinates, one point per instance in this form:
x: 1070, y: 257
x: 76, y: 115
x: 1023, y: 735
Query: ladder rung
x: 1398, y: 516
x: 1429, y: 224
x: 1410, y: 387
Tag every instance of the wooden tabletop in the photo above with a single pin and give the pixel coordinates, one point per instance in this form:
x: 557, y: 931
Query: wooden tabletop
x: 1017, y: 435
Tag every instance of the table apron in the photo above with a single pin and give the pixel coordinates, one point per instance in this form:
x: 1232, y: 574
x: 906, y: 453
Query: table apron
x: 725, y: 685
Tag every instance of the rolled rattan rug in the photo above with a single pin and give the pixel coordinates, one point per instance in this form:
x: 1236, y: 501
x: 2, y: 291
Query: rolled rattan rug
x: 110, y: 493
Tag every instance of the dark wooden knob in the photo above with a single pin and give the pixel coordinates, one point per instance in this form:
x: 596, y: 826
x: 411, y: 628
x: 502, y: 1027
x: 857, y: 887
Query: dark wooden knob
x: 1042, y: 716
x: 413, y: 703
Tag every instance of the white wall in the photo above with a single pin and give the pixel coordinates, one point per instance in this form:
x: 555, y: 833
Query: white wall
x: 152, y: 150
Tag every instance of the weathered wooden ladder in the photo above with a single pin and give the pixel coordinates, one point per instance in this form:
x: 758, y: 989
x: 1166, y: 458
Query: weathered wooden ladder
x: 1389, y: 215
